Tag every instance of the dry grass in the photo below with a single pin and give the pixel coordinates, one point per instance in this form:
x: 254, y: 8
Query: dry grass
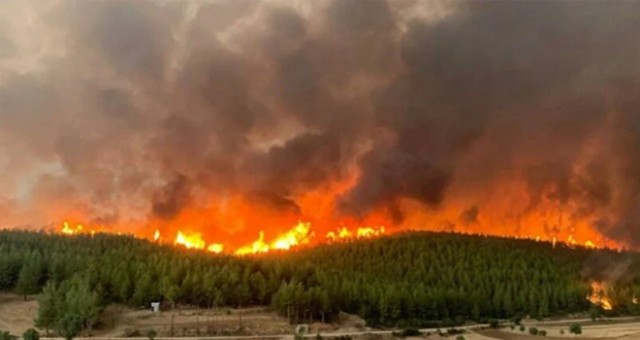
x: 629, y: 330
x: 17, y: 315
x: 122, y: 321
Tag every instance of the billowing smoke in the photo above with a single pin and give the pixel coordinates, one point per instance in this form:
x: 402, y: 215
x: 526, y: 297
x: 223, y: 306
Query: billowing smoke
x: 499, y: 117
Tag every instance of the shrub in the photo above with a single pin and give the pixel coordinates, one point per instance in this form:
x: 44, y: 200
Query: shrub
x: 523, y: 328
x: 575, y: 329
x: 408, y: 332
x: 453, y: 331
x: 31, y: 334
x: 460, y: 337
x: 517, y: 319
x: 7, y: 336
x: 542, y: 332
x: 494, y: 323
x: 411, y: 332
x: 151, y: 334
x: 533, y: 331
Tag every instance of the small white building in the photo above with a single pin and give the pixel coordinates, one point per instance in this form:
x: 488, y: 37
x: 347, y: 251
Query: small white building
x: 155, y: 307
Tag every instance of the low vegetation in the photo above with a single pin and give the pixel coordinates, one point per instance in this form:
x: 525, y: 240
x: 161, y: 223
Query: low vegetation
x: 408, y: 332
x: 575, y: 329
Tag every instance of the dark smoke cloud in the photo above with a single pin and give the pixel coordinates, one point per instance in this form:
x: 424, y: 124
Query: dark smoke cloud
x: 170, y: 200
x: 433, y: 102
x: 470, y: 215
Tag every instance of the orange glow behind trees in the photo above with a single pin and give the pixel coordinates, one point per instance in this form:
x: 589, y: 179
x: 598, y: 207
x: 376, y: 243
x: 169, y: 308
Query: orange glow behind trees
x: 301, y: 234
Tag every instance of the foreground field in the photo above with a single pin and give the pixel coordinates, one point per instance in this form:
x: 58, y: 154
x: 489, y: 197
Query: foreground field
x: 619, y: 328
x: 17, y: 315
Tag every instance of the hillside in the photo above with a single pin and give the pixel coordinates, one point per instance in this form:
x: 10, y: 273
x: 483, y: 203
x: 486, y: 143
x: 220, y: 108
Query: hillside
x: 416, y: 278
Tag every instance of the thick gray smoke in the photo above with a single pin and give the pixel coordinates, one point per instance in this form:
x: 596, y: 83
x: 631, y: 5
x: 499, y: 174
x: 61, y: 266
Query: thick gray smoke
x: 124, y: 111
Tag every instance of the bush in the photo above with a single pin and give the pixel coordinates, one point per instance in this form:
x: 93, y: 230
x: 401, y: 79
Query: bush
x: 533, y: 331
x: 523, y: 328
x: 460, y: 337
x: 408, y: 332
x: 562, y: 331
x: 494, y: 323
x: 7, y: 336
x: 542, y: 332
x: 151, y: 334
x: 517, y: 319
x: 575, y: 329
x: 453, y: 331
x: 31, y: 334
x: 318, y: 337
x: 411, y: 332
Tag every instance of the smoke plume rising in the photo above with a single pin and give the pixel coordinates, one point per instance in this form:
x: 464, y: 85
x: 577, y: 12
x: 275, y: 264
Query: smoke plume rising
x: 510, y: 118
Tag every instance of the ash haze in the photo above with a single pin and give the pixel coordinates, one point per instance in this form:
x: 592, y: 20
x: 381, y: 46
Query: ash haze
x: 509, y: 118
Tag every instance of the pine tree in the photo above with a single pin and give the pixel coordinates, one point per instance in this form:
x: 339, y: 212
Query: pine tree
x: 325, y: 304
x: 31, y: 334
x: 48, y: 308
x: 29, y: 278
x: 9, y: 270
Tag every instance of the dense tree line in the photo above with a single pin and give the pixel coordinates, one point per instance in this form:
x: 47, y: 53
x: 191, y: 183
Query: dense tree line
x: 405, y: 279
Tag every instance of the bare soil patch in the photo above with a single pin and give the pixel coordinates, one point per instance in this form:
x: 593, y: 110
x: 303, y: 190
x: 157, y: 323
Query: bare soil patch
x: 607, y: 331
x: 17, y: 315
x: 504, y: 335
x: 120, y: 321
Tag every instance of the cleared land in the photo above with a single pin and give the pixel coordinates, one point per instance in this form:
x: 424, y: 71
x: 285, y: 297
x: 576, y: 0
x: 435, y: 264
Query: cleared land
x: 625, y: 329
x: 17, y: 315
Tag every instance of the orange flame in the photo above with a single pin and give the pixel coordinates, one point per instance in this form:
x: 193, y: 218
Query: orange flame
x: 599, y: 295
x: 367, y: 232
x: 236, y: 218
x: 300, y: 234
x: 67, y: 230
x: 190, y: 241
x: 343, y: 234
x: 258, y: 246
x: 215, y: 248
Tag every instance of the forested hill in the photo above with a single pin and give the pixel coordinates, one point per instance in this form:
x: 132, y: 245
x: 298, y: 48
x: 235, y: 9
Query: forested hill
x: 412, y: 278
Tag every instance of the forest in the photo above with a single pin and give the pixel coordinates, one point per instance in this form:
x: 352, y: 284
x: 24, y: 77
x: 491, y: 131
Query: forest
x: 407, y: 279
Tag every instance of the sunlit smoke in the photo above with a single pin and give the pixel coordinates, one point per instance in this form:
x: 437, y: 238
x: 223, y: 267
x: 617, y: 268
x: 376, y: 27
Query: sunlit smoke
x: 227, y: 122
